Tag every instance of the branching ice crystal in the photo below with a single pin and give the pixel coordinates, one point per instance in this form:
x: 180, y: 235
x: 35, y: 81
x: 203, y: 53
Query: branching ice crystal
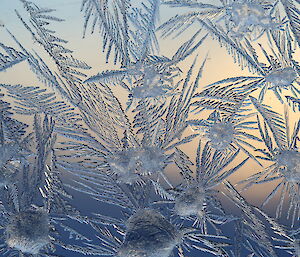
x: 284, y: 156
x: 140, y: 156
x: 148, y: 233
x: 292, y: 244
x: 250, y: 228
x: 10, y: 57
x: 150, y: 78
x: 117, y: 153
x: 31, y: 230
x: 253, y: 19
x: 236, y: 23
x: 247, y: 20
x: 227, y: 133
x: 9, y: 163
x: 228, y: 95
x: 152, y: 160
x: 282, y: 74
x: 124, y: 165
x: 195, y: 199
x: 9, y: 154
x: 13, y: 145
x: 285, y: 239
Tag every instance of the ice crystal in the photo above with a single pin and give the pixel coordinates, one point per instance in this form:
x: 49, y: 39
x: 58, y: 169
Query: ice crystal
x: 152, y: 160
x: 285, y: 158
x: 285, y: 239
x: 152, y: 77
x: 227, y: 95
x: 11, y: 57
x: 124, y: 164
x: 221, y: 135
x: 297, y: 246
x: 292, y: 11
x: 148, y: 234
x: 132, y: 163
x: 236, y: 24
x: 289, y: 164
x: 196, y: 199
x: 118, y: 151
x: 246, y: 14
x: 282, y: 77
x: 224, y: 134
x: 10, y: 163
x: 250, y: 226
x: 28, y: 231
x: 190, y: 202
x: 32, y: 230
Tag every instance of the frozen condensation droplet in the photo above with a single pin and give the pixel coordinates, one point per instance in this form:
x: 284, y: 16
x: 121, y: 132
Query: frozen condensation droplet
x: 28, y: 231
x: 149, y: 234
x: 190, y: 202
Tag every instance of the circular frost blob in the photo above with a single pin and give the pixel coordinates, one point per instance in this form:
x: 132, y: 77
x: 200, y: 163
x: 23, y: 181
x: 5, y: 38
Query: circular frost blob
x: 148, y: 234
x: 28, y: 231
x: 190, y: 202
x: 221, y: 135
x: 289, y: 164
x: 282, y: 77
x: 124, y: 165
x: 245, y: 15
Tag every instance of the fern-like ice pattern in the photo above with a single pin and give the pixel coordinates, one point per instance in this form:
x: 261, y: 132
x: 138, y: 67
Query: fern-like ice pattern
x: 141, y: 157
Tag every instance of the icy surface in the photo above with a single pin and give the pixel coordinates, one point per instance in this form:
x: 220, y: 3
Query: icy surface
x: 161, y: 128
x: 148, y: 234
x: 28, y: 231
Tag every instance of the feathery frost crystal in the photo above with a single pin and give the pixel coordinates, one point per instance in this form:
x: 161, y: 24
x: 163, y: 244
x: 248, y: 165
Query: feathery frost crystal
x: 160, y: 151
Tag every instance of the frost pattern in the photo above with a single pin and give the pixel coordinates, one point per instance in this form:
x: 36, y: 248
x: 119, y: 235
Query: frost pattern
x: 72, y: 133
